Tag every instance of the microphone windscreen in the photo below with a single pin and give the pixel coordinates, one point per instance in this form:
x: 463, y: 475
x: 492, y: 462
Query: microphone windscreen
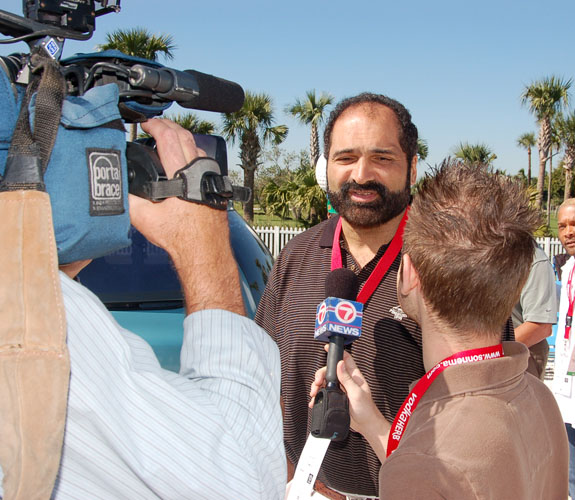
x: 216, y: 94
x: 342, y: 283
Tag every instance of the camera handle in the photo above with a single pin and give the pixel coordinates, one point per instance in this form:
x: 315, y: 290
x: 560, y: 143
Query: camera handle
x: 200, y: 181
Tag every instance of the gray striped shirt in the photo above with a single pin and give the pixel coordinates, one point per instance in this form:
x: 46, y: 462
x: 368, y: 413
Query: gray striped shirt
x: 137, y: 431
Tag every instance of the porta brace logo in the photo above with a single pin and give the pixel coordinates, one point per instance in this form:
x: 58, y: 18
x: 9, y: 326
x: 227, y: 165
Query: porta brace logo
x: 105, y: 175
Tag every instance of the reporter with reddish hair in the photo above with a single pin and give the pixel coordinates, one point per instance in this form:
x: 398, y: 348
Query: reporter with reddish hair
x: 469, y: 426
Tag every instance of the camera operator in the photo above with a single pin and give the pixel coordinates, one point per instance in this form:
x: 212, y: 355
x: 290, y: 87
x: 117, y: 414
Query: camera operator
x: 135, y: 430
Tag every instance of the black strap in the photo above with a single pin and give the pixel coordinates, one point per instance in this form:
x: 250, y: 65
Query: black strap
x: 29, y: 152
x: 199, y: 181
x: 160, y: 190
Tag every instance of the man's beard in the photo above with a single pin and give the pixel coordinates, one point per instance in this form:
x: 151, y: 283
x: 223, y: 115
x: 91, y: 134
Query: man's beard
x: 389, y: 204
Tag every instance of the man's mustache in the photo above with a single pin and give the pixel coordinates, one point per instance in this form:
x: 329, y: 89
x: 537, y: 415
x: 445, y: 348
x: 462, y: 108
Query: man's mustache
x: 368, y: 186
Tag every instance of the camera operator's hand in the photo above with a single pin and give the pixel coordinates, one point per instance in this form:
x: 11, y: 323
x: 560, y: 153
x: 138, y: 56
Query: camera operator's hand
x: 196, y: 236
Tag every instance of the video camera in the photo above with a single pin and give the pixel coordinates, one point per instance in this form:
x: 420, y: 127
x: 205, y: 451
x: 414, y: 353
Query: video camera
x: 142, y: 89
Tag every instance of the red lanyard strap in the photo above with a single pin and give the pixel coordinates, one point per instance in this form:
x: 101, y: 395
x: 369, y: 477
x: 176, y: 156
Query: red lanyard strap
x: 571, y: 301
x: 408, y: 407
x: 382, y: 266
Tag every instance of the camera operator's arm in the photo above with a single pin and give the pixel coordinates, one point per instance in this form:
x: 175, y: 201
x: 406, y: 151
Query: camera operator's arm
x: 213, y: 430
x: 195, y: 236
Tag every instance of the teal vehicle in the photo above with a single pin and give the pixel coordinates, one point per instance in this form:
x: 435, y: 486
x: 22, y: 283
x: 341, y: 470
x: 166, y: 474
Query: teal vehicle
x: 140, y: 287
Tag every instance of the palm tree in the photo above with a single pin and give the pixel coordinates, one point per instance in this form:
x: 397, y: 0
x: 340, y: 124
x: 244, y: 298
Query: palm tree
x: 139, y: 42
x: 566, y: 130
x: 252, y: 126
x: 475, y: 153
x: 311, y: 110
x: 555, y: 141
x: 309, y: 198
x: 300, y: 196
x: 276, y: 198
x: 545, y: 99
x: 422, y: 149
x: 527, y: 141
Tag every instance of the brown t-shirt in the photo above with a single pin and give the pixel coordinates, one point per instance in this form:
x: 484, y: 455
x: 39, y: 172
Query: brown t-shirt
x: 483, y: 430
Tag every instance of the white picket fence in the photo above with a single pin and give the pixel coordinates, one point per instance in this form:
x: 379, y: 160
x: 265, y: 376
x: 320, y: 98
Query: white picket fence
x: 275, y: 238
x: 551, y: 246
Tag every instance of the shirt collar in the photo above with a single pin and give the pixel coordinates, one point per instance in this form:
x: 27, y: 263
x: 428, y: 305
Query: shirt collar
x: 326, y: 239
x: 470, y: 377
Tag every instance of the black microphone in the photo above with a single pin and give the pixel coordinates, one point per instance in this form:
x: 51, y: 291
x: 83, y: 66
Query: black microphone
x: 342, y: 284
x: 189, y: 88
x: 338, y: 322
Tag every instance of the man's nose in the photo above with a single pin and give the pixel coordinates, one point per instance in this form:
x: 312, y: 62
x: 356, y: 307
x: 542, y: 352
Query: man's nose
x: 363, y: 171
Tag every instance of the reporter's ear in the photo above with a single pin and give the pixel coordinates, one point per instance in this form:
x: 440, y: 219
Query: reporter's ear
x: 407, y: 277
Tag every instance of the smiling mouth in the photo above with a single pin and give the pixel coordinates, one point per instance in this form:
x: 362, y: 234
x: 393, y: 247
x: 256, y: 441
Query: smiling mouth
x: 363, y: 195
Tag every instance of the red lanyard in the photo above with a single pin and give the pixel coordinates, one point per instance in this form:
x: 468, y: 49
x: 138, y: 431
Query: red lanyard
x: 410, y: 403
x: 571, y: 300
x: 382, y: 266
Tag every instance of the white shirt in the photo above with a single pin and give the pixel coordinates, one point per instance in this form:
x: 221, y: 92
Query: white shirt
x: 563, y: 387
x: 136, y: 431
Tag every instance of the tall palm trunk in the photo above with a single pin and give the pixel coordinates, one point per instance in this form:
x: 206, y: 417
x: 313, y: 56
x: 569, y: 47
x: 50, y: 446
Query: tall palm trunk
x: 249, y: 177
x: 543, y: 143
x: 249, y: 153
x: 549, y: 187
x: 314, y: 145
x: 529, y: 166
x: 568, y: 163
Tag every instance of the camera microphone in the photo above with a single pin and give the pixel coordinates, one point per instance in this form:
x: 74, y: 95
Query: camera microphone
x: 189, y: 88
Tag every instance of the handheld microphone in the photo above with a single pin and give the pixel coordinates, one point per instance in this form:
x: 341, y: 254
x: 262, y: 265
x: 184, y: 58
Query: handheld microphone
x: 338, y: 319
x: 338, y: 322
x: 189, y: 88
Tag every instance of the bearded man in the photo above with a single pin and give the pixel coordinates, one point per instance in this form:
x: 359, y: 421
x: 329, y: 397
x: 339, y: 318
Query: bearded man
x: 371, y: 151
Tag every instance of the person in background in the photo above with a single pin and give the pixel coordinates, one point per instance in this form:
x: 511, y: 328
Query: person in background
x: 564, y: 369
x: 467, y: 427
x: 536, y: 312
x: 559, y: 260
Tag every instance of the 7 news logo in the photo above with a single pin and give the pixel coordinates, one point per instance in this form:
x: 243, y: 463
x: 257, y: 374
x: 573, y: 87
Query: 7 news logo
x: 345, y: 312
x: 339, y: 316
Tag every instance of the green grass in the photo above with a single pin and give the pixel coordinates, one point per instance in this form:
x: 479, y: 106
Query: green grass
x: 550, y: 231
x: 262, y: 219
x: 553, y: 225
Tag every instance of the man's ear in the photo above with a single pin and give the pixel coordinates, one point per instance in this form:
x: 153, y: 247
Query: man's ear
x: 413, y: 170
x: 409, y: 276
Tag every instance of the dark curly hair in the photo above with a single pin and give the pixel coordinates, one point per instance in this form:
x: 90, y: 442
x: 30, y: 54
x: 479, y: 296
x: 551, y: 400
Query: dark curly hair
x: 408, y: 131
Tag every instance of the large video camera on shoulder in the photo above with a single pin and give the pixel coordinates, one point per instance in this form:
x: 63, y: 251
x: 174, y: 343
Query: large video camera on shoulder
x: 102, y: 91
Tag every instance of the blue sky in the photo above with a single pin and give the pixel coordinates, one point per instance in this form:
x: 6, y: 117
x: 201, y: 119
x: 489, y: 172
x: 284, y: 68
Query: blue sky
x: 458, y: 66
